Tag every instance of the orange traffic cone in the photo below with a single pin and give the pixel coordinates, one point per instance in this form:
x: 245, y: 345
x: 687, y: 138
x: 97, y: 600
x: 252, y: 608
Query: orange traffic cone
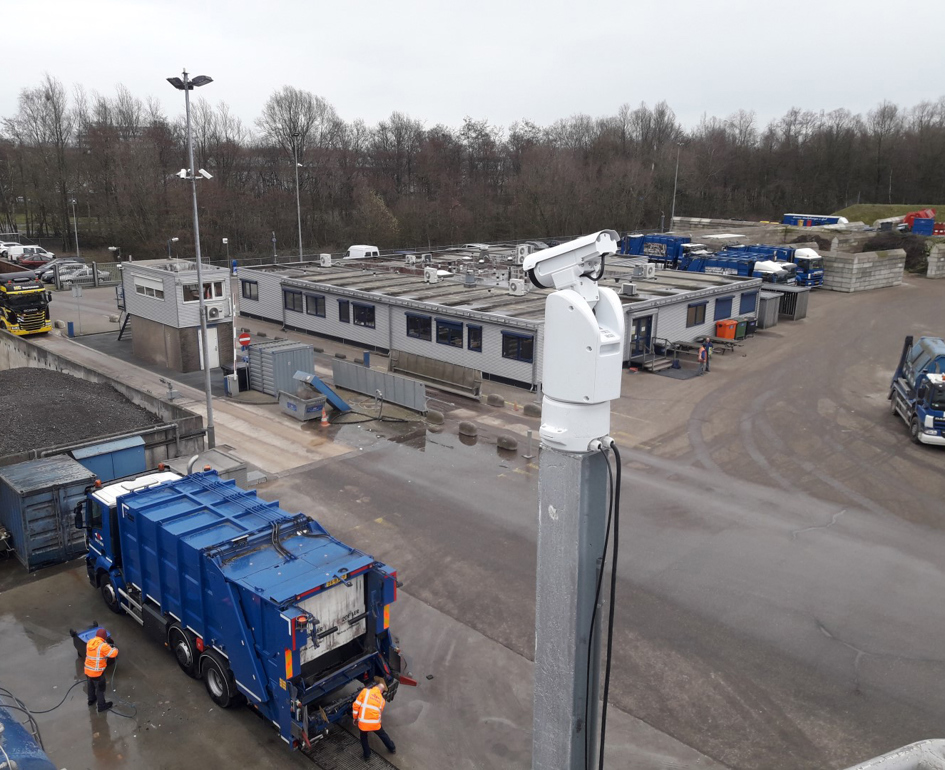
x: 324, y: 423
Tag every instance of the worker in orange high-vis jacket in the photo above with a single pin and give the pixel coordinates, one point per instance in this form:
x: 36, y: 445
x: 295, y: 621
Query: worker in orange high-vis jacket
x: 367, y: 709
x: 97, y: 654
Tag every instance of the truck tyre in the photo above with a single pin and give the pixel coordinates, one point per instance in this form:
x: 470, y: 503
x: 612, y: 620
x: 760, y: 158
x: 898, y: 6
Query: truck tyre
x: 181, y: 643
x: 109, y: 594
x: 219, y: 681
x: 914, y: 430
x: 892, y: 401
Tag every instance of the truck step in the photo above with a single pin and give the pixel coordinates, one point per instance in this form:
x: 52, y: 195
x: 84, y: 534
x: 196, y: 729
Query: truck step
x: 340, y: 750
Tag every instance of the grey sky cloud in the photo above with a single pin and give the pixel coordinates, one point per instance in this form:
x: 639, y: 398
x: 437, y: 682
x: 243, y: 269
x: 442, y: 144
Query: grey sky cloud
x: 493, y: 60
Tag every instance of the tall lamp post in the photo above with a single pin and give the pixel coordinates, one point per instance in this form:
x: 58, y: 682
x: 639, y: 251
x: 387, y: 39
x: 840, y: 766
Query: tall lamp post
x: 187, y: 85
x: 75, y: 225
x: 672, y: 213
x: 298, y: 205
x: 169, y: 242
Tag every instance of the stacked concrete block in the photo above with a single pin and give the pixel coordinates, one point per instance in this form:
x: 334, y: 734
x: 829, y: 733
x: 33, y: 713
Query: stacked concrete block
x: 864, y: 271
x: 936, y: 262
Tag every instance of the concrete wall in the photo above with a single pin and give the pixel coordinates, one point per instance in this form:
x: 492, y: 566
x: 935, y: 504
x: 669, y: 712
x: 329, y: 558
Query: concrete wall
x: 180, y: 435
x: 936, y: 262
x: 864, y: 271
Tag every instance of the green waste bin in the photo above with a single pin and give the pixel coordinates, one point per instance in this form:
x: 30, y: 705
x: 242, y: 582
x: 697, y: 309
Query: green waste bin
x: 741, y: 328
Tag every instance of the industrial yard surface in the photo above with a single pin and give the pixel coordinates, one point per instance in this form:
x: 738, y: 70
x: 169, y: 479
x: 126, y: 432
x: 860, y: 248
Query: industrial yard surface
x: 55, y: 409
x: 780, y: 569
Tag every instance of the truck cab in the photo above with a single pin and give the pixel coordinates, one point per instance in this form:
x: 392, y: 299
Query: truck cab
x: 810, y: 267
x: 776, y: 272
x: 917, y: 394
x: 24, y: 303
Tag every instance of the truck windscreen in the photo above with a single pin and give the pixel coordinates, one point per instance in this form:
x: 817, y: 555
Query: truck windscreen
x: 937, y: 399
x: 25, y: 301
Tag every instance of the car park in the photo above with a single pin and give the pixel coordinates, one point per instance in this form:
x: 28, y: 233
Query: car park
x: 18, y: 252
x: 47, y: 273
x: 80, y: 274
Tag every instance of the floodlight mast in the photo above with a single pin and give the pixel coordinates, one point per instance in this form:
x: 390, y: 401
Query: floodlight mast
x: 584, y: 330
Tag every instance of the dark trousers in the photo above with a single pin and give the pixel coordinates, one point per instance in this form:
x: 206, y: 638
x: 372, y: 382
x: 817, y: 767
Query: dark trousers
x: 96, y: 688
x: 385, y: 739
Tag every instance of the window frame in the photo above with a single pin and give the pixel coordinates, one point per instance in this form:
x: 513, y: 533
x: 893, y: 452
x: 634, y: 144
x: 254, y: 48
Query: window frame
x: 213, y: 293
x: 244, y: 283
x: 451, y: 328
x: 344, y: 311
x: 696, y: 318
x: 418, y: 334
x: 741, y: 303
x: 470, y: 328
x: 363, y: 306
x: 521, y: 339
x: 729, y: 299
x: 286, y: 293
x: 316, y: 298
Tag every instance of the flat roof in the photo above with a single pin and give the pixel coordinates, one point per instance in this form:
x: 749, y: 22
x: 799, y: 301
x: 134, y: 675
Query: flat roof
x: 182, y: 267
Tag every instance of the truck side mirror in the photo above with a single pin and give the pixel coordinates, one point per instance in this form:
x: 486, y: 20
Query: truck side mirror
x: 48, y: 296
x: 78, y: 512
x: 921, y: 393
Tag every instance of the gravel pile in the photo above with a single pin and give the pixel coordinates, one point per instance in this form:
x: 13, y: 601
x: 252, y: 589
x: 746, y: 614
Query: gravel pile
x: 45, y: 408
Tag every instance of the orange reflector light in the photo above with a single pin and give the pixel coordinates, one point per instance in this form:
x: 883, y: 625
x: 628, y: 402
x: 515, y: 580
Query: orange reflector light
x: 301, y: 620
x: 98, y: 483
x: 206, y: 467
x: 288, y: 664
x: 386, y: 616
x: 199, y: 644
x: 161, y: 466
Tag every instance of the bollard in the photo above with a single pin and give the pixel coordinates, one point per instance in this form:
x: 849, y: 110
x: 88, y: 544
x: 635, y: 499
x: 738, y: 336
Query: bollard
x: 528, y: 455
x: 70, y: 329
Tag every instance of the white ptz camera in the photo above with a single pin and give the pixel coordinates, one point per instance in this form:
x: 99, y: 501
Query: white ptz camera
x: 583, y: 349
x: 182, y: 173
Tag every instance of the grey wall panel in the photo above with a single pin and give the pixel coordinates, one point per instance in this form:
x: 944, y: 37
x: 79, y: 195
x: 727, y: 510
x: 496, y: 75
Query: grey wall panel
x: 162, y: 311
x: 331, y: 324
x: 403, y: 391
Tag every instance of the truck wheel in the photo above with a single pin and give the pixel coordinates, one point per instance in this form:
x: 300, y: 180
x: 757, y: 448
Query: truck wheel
x: 892, y: 407
x: 182, y: 645
x: 914, y: 430
x: 219, y: 681
x: 109, y: 594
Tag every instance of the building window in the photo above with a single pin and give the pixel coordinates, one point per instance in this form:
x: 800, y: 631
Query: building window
x: 519, y: 347
x: 149, y: 288
x: 250, y: 290
x: 211, y: 290
x: 419, y: 326
x: 696, y: 314
x: 363, y: 315
x: 474, y: 338
x: 748, y: 302
x: 292, y: 300
x: 723, y: 308
x: 344, y: 311
x: 315, y: 305
x: 449, y: 333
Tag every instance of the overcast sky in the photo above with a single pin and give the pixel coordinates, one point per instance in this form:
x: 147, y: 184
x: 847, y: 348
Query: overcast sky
x: 499, y: 60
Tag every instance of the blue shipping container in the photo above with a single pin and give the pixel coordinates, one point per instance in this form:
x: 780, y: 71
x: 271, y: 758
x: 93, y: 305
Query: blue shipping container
x: 37, y: 500
x: 113, y: 459
x: 923, y: 226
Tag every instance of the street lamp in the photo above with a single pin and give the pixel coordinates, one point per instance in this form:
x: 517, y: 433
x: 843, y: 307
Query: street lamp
x: 169, y: 242
x: 298, y: 205
x: 75, y: 224
x: 187, y: 85
x: 672, y: 213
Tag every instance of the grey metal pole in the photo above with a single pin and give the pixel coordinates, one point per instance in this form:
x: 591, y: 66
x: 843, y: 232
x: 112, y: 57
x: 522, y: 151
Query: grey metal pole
x: 75, y: 224
x: 672, y: 213
x: 572, y: 522
x: 298, y: 204
x: 211, y: 441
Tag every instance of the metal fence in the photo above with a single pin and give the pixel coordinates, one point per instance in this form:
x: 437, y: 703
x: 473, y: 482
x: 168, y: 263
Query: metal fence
x: 392, y: 388
x: 89, y: 275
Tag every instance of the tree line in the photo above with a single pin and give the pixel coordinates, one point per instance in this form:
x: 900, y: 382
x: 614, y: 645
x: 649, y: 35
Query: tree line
x: 401, y: 182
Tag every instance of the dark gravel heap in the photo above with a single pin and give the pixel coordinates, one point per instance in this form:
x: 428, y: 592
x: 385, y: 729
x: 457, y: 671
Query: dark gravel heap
x: 43, y: 409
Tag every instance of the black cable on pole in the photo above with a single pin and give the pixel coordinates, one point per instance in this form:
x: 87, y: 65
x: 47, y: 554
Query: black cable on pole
x: 613, y: 591
x: 600, y: 579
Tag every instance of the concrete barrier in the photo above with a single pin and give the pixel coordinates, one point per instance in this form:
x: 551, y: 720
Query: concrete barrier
x: 864, y: 271
x: 936, y: 267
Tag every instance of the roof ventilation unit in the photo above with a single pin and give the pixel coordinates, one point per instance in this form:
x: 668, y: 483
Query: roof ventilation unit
x: 430, y: 275
x: 517, y: 287
x: 644, y: 271
x: 410, y: 259
x: 427, y: 259
x: 324, y: 260
x: 629, y: 290
x: 469, y: 280
x: 522, y: 251
x: 214, y: 313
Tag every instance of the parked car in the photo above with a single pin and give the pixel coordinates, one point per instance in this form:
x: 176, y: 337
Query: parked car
x: 18, y: 252
x: 48, y: 271
x: 36, y: 261
x: 81, y: 274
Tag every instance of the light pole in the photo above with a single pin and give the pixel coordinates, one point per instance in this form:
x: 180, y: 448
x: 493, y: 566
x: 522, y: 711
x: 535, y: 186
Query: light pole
x: 75, y: 224
x: 187, y: 85
x: 298, y: 205
x: 672, y: 213
x: 169, y: 242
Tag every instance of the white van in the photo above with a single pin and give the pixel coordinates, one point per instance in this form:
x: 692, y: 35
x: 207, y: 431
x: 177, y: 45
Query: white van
x: 361, y: 252
x: 17, y: 251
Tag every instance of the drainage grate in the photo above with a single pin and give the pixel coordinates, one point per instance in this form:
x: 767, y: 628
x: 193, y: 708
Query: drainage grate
x: 342, y: 751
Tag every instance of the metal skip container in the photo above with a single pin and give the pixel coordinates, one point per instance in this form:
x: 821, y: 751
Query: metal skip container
x: 37, y: 500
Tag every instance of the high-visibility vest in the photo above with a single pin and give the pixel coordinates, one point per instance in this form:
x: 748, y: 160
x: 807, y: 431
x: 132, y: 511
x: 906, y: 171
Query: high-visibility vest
x: 97, y: 652
x: 367, y: 709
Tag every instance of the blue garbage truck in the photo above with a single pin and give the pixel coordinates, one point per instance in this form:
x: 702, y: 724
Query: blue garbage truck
x: 810, y: 265
x: 917, y: 393
x: 264, y: 605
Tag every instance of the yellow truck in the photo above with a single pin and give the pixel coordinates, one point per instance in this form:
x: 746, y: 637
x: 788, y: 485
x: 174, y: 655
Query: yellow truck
x: 24, y: 302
